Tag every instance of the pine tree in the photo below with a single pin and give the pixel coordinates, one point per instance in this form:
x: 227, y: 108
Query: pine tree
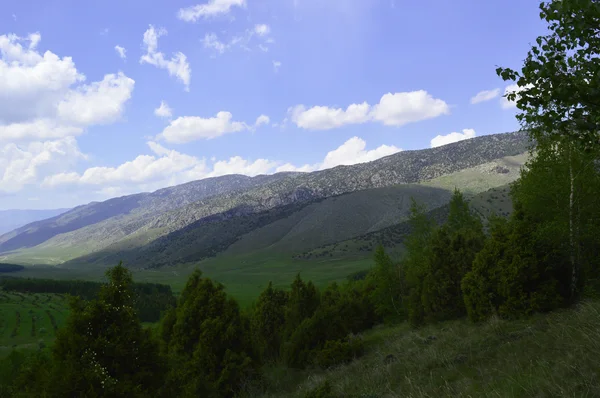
x: 103, y: 349
x: 208, y: 342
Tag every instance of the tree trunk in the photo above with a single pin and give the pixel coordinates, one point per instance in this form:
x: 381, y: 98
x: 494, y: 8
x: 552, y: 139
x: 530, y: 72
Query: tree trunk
x: 574, y: 270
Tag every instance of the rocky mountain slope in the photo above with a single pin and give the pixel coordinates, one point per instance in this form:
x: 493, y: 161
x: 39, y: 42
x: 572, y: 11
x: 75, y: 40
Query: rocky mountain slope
x: 137, y: 220
x: 15, y: 218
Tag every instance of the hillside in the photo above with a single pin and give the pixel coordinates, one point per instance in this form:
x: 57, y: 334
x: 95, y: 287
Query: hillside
x: 297, y: 229
x: 134, y: 221
x: 548, y: 355
x: 15, y: 218
x: 495, y: 201
x: 127, y: 211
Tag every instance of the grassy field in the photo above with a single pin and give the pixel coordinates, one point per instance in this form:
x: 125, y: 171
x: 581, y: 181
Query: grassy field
x: 552, y: 355
x: 244, y: 276
x: 29, y: 319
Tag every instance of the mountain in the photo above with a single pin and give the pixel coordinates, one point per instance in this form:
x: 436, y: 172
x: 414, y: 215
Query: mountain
x: 213, y: 214
x: 13, y: 219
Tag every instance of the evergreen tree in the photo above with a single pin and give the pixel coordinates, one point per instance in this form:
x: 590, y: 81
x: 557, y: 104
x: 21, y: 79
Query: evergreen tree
x: 415, y: 263
x: 453, y: 248
x: 103, y: 351
x: 208, y: 342
x: 268, y: 321
x: 386, y: 294
x: 303, y: 300
x: 557, y: 95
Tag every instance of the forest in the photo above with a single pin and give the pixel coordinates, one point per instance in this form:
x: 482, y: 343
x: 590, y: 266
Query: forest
x: 542, y: 259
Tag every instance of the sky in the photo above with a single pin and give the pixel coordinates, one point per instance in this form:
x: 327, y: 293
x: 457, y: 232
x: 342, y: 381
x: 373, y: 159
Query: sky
x: 104, y: 99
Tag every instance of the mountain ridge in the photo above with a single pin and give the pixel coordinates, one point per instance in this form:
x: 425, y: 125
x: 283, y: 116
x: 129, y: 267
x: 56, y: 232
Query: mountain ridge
x: 171, y: 209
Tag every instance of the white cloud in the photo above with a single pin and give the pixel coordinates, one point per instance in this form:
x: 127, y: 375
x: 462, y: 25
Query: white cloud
x: 324, y: 118
x: 191, y: 128
x: 505, y: 103
x: 97, y: 103
x: 41, y: 96
x: 485, y: 95
x: 212, y: 41
x: 177, y: 66
x: 165, y: 167
x: 392, y: 110
x: 163, y: 110
x: 440, y: 140
x: 27, y: 165
x: 262, y: 119
x: 350, y: 152
x: 262, y: 29
x: 238, y: 165
x: 121, y: 51
x: 353, y: 152
x: 276, y: 65
x: 402, y: 108
x: 212, y: 8
x: 39, y: 129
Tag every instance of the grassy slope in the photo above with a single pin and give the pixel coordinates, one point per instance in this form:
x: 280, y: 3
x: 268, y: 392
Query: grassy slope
x: 34, y: 322
x: 298, y: 228
x: 551, y: 355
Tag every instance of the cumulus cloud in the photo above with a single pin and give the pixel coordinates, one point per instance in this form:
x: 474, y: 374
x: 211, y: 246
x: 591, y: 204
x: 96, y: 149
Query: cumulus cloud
x: 353, y: 151
x: 177, y: 65
x: 27, y: 165
x: 163, y: 110
x: 163, y: 168
x: 325, y: 118
x: 166, y: 167
x: 262, y: 119
x: 212, y: 8
x: 121, y: 51
x: 43, y: 96
x: 97, y: 103
x: 191, y: 128
x: 276, y: 65
x: 392, y: 110
x: 440, y: 140
x: 485, y: 95
x: 505, y: 103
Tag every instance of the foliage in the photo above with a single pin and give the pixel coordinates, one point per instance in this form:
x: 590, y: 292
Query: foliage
x: 207, y: 341
x: 150, y: 299
x: 453, y: 248
x: 10, y: 267
x: 557, y: 94
x: 303, y: 300
x: 416, y: 261
x: 519, y: 271
x: 340, y: 313
x: 102, y: 351
x: 268, y: 321
x: 386, y: 294
x: 323, y: 390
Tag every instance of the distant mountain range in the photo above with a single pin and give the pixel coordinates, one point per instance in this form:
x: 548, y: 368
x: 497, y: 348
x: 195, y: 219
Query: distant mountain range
x: 13, y: 219
x: 287, y: 212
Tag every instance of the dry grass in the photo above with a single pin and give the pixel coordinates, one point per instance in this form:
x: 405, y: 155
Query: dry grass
x: 552, y: 355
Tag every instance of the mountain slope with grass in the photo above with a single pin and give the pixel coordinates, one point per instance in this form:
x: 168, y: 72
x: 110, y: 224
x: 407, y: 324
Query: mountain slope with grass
x: 327, y: 224
x: 136, y: 220
x: 15, y: 218
x: 548, y: 355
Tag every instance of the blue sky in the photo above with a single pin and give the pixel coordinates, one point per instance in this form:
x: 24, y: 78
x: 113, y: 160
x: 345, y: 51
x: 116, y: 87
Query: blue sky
x: 250, y: 86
